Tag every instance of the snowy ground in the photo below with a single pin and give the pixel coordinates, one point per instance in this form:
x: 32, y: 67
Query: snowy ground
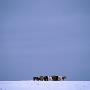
x: 44, y: 85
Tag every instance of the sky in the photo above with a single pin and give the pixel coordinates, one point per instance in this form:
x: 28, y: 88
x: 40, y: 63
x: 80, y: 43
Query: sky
x: 44, y: 37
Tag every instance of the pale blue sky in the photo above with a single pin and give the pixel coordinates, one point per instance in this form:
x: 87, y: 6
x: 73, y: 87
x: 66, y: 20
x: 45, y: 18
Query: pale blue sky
x: 44, y: 37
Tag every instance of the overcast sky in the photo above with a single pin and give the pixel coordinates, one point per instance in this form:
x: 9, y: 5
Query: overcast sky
x: 44, y: 37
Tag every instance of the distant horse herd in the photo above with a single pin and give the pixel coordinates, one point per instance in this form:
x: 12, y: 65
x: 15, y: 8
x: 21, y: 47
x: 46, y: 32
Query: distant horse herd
x: 49, y: 78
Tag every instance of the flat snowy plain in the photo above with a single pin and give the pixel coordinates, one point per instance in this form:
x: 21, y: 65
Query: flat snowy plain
x: 44, y: 85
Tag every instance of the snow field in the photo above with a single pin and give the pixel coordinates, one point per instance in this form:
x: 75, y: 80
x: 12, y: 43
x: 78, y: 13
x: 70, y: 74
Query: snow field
x: 44, y: 85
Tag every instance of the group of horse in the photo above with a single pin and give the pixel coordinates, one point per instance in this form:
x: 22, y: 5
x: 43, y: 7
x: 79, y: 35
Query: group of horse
x: 49, y: 78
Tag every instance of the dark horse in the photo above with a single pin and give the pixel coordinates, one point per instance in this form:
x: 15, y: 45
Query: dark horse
x: 36, y: 78
x: 49, y: 78
x: 64, y: 77
x: 45, y: 78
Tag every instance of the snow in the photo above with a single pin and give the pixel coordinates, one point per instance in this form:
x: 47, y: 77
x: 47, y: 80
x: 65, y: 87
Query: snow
x: 44, y: 85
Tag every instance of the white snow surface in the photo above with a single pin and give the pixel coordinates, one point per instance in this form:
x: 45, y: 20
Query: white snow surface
x: 44, y: 85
